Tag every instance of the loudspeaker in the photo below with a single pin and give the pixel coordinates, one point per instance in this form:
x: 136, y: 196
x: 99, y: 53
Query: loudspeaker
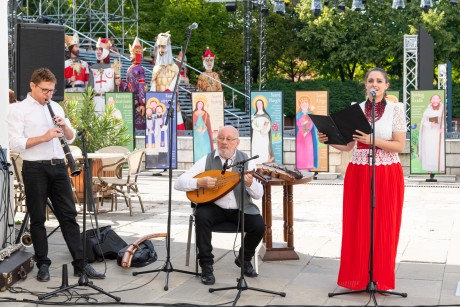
x: 425, y: 60
x: 36, y: 46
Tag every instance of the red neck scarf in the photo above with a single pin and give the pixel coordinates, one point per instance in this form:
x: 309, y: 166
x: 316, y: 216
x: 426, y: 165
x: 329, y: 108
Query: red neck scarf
x: 379, y: 109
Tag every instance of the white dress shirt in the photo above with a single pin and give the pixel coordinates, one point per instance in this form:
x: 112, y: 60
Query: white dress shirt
x: 186, y: 183
x: 27, y: 119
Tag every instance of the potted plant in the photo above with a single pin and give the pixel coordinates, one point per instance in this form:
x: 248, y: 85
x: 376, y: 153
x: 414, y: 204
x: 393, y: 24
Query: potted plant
x: 100, y: 130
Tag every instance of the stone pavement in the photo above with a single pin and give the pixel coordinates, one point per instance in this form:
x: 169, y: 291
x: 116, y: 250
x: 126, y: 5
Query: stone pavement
x: 428, y: 261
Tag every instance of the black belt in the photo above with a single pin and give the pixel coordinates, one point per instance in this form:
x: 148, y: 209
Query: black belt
x: 49, y: 162
x: 75, y: 85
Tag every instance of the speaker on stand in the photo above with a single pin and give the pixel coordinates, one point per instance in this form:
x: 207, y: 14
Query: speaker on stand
x: 38, y: 45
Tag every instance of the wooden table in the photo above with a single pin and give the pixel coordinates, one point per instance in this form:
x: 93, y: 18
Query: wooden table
x: 284, y: 250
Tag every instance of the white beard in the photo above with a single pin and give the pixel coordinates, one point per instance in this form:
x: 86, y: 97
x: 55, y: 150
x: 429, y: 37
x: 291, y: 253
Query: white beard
x: 208, y: 66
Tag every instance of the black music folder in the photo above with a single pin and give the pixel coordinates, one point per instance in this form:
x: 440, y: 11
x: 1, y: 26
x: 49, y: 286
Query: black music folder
x: 340, y: 126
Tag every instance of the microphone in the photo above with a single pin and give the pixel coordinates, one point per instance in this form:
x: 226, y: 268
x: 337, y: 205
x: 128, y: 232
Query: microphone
x: 81, y: 132
x: 192, y: 26
x: 224, y: 167
x: 372, y: 92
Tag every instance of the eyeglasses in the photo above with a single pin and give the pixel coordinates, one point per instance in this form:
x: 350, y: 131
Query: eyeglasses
x: 228, y: 139
x: 46, y: 91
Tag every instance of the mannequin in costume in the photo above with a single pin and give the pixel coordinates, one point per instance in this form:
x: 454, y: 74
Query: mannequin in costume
x: 135, y: 83
x: 261, y: 132
x: 165, y: 71
x: 306, y: 139
x: 202, y: 131
x: 103, y: 77
x: 76, y: 71
x: 206, y: 82
x: 431, y: 138
x: 183, y: 79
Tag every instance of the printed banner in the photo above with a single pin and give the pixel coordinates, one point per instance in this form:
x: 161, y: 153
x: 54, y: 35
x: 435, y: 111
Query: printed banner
x: 310, y: 154
x: 267, y: 126
x: 77, y: 97
x: 392, y: 96
x: 208, y: 117
x: 157, y: 134
x: 123, y: 109
x: 427, y: 132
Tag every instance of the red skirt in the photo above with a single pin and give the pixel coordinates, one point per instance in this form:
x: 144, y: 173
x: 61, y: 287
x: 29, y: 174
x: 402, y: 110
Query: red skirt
x: 389, y: 198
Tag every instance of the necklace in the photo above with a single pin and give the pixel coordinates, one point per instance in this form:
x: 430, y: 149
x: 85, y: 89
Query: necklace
x: 379, y: 109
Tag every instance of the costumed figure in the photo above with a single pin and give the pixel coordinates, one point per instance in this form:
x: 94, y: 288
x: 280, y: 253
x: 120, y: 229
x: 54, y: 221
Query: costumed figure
x: 431, y: 147
x: 207, y: 80
x: 202, y: 132
x: 165, y: 72
x: 183, y: 70
x: 103, y: 75
x: 135, y: 83
x: 261, y: 132
x: 76, y: 71
x: 306, y: 139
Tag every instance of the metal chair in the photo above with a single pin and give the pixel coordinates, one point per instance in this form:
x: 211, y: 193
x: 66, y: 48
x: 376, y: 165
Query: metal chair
x: 115, y: 186
x: 224, y: 227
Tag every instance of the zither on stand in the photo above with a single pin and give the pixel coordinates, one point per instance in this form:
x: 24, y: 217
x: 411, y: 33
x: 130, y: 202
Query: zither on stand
x: 167, y: 267
x: 241, y: 282
x: 371, y: 287
x: 83, y: 280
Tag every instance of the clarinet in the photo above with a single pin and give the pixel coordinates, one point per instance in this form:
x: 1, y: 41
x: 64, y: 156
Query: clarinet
x: 74, y: 170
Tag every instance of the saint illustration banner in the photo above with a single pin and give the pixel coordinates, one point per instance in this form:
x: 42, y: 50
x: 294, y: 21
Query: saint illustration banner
x: 157, y: 134
x: 427, y: 132
x: 267, y: 126
x: 310, y: 154
x: 208, y: 118
x: 122, y: 104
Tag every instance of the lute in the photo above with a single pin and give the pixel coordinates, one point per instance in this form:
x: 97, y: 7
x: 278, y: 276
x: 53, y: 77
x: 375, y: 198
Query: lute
x: 225, y: 183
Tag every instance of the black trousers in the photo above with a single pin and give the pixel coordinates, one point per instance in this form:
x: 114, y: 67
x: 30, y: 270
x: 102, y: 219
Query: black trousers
x: 209, y: 214
x: 42, y: 181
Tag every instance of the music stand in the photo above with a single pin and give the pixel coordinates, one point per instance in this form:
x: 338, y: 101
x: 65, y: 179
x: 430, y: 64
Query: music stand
x: 371, y: 287
x: 241, y: 282
x: 83, y: 280
x: 167, y: 267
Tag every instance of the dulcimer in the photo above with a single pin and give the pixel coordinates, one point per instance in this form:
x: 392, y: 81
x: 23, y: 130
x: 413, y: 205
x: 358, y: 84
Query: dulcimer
x: 225, y: 183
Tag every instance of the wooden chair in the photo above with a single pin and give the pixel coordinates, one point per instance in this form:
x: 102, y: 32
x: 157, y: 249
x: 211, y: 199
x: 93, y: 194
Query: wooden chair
x: 19, y: 194
x: 112, y: 167
x: 224, y: 227
x: 115, y: 186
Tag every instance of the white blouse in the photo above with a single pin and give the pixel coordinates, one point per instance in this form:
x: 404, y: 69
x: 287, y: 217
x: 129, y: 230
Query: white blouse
x: 392, y: 120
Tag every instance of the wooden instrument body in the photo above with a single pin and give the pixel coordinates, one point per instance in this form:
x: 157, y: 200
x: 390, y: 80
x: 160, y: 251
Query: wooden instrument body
x: 225, y: 183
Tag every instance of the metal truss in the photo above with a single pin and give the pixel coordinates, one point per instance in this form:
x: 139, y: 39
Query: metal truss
x: 92, y: 18
x: 262, y: 47
x: 247, y: 53
x: 410, y: 71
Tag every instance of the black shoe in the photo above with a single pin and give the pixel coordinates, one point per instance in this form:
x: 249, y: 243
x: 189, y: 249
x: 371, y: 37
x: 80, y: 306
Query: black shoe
x: 43, y: 273
x: 90, y: 272
x: 248, y: 268
x: 207, y: 277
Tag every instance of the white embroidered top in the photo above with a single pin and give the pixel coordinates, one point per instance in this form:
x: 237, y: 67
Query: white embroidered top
x: 392, y: 120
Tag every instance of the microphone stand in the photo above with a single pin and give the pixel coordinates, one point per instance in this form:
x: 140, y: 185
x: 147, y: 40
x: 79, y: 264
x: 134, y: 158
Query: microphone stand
x: 167, y: 267
x: 83, y: 280
x: 371, y: 287
x: 241, y: 282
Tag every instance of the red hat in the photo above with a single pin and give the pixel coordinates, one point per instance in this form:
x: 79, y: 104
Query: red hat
x: 208, y: 54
